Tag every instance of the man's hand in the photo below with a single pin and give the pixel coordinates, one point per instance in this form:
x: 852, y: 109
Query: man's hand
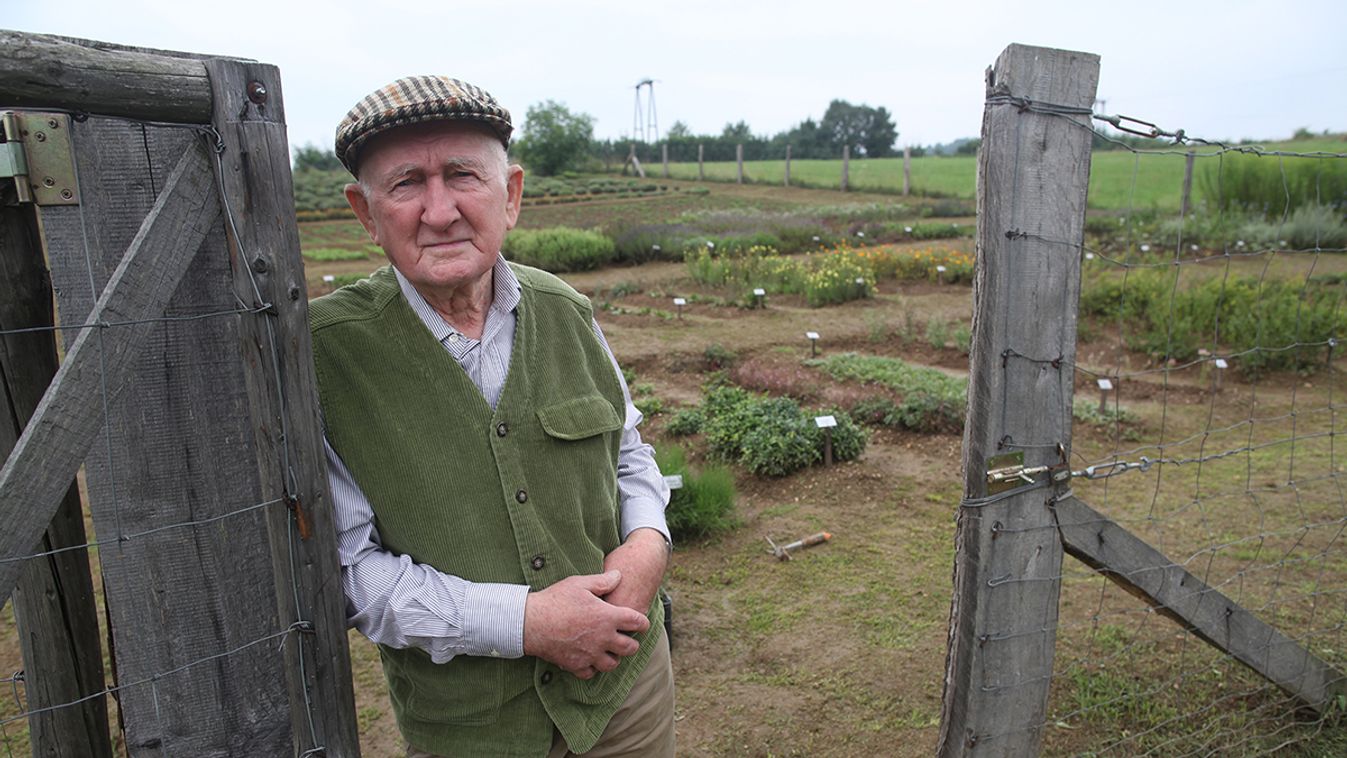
x: 642, y: 559
x: 570, y: 625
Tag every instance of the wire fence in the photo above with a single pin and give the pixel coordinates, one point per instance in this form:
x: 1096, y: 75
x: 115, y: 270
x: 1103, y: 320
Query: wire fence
x: 187, y: 586
x: 1208, y: 391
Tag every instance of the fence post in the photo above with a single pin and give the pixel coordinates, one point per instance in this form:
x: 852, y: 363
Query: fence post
x: 907, y: 170
x: 787, y: 179
x: 1187, y: 184
x: 283, y: 393
x: 1003, y: 614
x: 701, y: 171
x: 846, y: 166
x: 664, y: 154
x: 739, y: 159
x: 54, y: 598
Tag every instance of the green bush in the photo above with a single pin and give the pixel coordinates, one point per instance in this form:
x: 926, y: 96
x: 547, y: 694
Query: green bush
x: 1257, y: 320
x: 686, y: 422
x: 1273, y: 186
x: 931, y: 400
x: 772, y: 436
x: 326, y: 254
x: 704, y: 505
x: 558, y: 249
x: 778, y: 438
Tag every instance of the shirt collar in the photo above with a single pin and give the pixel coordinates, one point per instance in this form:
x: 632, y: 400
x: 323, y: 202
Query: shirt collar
x: 505, y: 297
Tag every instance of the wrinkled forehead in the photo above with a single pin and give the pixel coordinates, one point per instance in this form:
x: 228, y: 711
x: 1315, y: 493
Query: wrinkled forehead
x: 443, y: 140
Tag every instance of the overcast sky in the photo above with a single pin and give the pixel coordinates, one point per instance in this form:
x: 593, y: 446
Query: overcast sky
x: 1229, y: 69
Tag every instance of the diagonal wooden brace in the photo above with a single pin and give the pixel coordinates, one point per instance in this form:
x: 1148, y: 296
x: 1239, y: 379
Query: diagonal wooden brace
x: 1174, y: 592
x: 66, y: 422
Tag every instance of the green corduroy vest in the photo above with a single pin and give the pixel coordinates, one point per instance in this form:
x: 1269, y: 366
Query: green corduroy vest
x: 525, y: 494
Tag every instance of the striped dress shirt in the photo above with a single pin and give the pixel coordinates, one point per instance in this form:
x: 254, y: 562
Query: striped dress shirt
x: 397, y: 602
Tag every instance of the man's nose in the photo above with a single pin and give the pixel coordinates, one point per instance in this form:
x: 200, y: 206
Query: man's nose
x: 441, y: 206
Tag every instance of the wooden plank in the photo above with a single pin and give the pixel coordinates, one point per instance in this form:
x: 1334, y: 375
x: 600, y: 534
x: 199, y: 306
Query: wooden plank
x: 176, y: 448
x: 63, y: 427
x: 739, y: 161
x: 54, y: 600
x: 786, y: 179
x: 846, y: 167
x: 1033, y: 172
x: 1208, y: 613
x: 42, y: 71
x: 283, y: 392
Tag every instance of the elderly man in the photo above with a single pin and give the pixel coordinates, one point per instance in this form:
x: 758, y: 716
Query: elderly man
x: 501, y: 524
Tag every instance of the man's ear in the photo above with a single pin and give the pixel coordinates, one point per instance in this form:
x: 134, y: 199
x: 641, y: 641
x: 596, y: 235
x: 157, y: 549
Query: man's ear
x: 514, y: 193
x: 355, y: 197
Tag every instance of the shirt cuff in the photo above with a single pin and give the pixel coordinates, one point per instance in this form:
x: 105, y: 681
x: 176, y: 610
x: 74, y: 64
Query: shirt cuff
x: 638, y: 513
x: 493, y: 619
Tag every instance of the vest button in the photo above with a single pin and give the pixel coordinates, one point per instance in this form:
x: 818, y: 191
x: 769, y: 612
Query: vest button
x: 538, y: 562
x: 521, y: 497
x: 546, y: 677
x: 502, y: 429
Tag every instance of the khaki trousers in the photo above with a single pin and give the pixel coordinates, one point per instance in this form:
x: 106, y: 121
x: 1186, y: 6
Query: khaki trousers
x: 643, y: 727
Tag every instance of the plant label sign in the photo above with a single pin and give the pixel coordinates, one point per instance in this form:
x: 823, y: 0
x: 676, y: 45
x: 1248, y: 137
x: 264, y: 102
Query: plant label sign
x: 674, y: 481
x: 1105, y: 385
x: 759, y: 292
x: 825, y: 422
x: 941, y: 269
x: 680, y: 301
x: 329, y: 278
x: 1220, y: 363
x: 811, y: 335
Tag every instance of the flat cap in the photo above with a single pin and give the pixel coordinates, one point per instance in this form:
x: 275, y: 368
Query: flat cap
x: 415, y: 100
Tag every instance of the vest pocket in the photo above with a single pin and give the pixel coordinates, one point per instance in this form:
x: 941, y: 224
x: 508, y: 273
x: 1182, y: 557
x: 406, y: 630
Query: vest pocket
x: 579, y: 417
x: 467, y: 690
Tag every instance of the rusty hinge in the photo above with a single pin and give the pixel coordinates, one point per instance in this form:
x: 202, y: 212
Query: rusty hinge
x: 35, y: 152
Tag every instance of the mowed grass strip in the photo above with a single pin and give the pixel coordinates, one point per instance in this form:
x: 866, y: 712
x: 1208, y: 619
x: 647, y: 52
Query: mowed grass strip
x: 1119, y: 179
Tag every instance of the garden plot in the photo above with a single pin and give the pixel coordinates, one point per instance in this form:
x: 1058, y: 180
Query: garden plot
x: 841, y: 651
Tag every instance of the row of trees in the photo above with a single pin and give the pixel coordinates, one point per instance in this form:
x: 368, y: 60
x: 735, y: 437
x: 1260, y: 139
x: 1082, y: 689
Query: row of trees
x: 554, y: 140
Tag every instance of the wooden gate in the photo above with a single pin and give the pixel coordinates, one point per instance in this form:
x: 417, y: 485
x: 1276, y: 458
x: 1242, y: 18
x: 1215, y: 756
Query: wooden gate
x: 146, y: 195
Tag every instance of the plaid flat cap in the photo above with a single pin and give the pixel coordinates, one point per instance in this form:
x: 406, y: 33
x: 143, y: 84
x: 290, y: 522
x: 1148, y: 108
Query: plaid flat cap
x: 415, y: 100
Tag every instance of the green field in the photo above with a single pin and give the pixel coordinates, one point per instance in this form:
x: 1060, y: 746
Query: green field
x: 1119, y: 179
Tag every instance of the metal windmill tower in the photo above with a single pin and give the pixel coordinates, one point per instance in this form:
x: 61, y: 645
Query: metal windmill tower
x: 644, y: 126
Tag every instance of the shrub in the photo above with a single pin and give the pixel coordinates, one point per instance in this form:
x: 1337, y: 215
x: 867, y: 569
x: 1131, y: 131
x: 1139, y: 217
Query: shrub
x: 704, y: 505
x: 558, y: 249
x: 838, y: 277
x: 771, y: 436
x: 931, y: 400
x: 718, y: 357
x: 326, y: 254
x: 649, y: 406
x: 686, y: 422
x: 1257, y: 319
x: 778, y: 439
x: 1273, y: 186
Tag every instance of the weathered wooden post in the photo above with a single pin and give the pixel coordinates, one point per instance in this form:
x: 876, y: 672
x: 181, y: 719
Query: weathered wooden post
x: 1187, y: 184
x: 786, y: 180
x: 208, y: 474
x: 907, y: 170
x: 846, y: 166
x: 54, y: 599
x: 1006, y: 577
x: 739, y: 161
x: 701, y: 171
x: 664, y: 155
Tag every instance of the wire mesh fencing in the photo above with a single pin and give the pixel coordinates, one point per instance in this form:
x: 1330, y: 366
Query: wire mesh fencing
x: 1208, y: 392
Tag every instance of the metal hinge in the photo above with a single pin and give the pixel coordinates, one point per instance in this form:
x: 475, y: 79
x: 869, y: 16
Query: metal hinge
x: 35, y: 152
x: 1007, y: 471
